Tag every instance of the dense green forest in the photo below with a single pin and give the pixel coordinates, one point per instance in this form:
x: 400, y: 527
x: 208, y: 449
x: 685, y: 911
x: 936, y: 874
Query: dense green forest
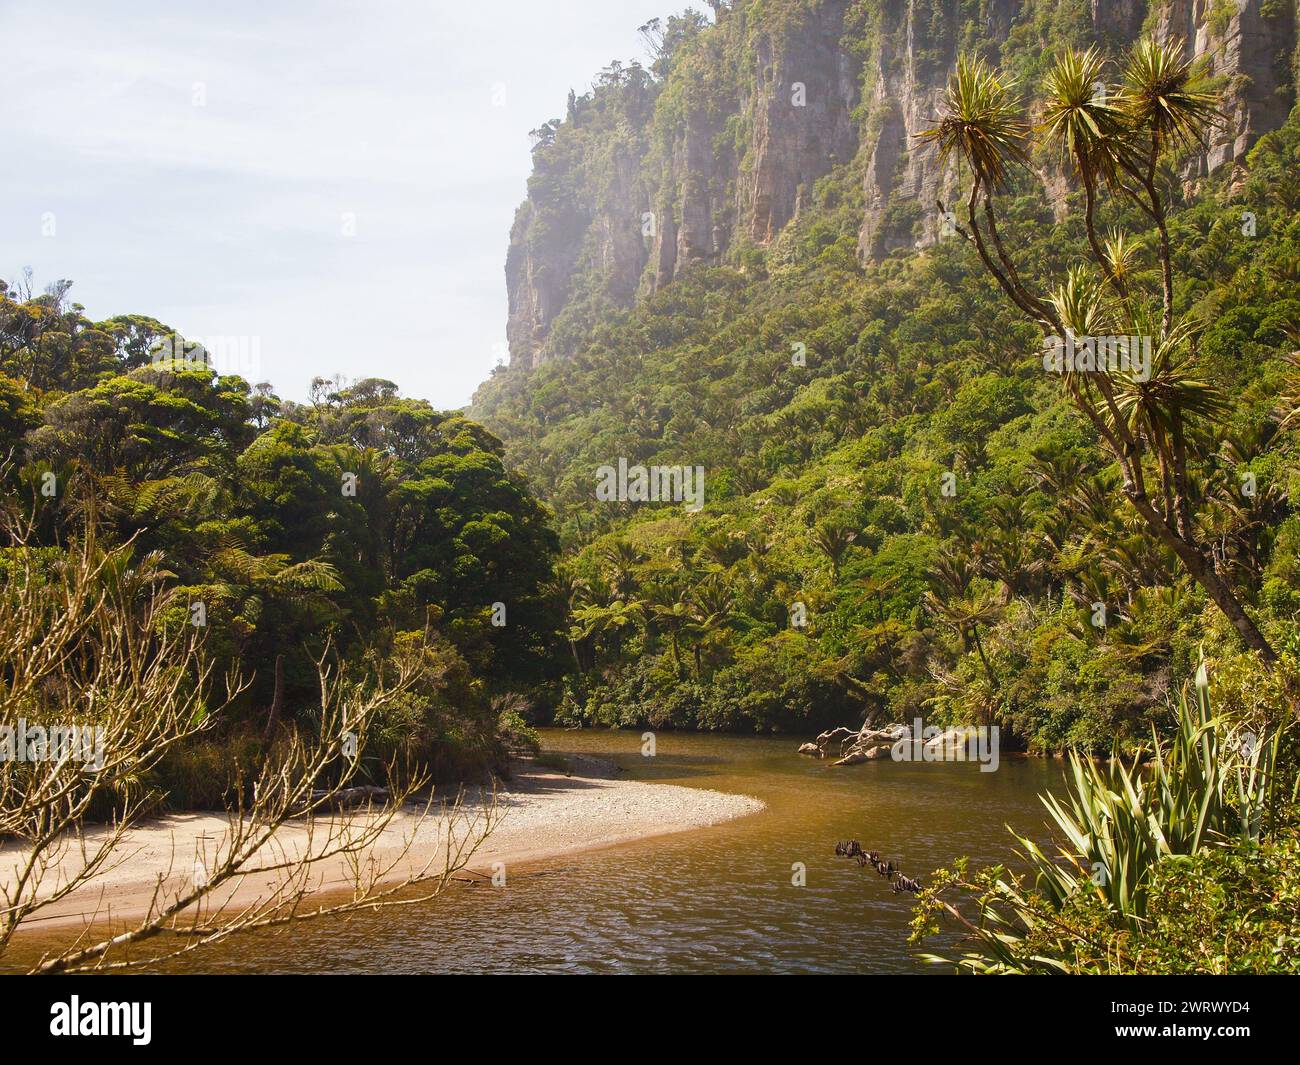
x: 906, y: 516
x: 911, y: 510
x: 361, y: 522
x: 887, y: 459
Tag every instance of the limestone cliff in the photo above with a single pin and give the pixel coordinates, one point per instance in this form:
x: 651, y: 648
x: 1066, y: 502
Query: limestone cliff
x: 717, y: 146
x: 1251, y: 45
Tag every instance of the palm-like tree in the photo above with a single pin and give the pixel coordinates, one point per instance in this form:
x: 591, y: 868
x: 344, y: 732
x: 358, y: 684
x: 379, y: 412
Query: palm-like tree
x: 877, y: 587
x: 1164, y: 104
x: 574, y: 592
x: 1147, y: 410
x: 721, y: 548
x: 622, y: 560
x: 261, y: 582
x: 1134, y: 561
x: 1168, y: 103
x: 711, y: 604
x: 1058, y: 473
x: 1005, y: 552
x: 568, y: 587
x: 1288, y: 409
x: 189, y: 495
x: 1088, y: 124
x: 982, y: 125
x: 1167, y: 95
x: 670, y: 611
x: 597, y: 621
x: 1243, y: 525
x: 1121, y: 254
x: 833, y: 539
x: 290, y: 597
x: 957, y: 606
x: 1081, y: 309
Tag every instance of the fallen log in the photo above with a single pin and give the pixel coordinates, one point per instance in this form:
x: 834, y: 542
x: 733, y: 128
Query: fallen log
x: 855, y: 745
x: 347, y: 798
x: 886, y: 868
x: 817, y: 748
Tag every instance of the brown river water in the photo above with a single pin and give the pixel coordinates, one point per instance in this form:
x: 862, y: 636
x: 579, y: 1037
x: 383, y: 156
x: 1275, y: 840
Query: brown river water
x: 717, y: 899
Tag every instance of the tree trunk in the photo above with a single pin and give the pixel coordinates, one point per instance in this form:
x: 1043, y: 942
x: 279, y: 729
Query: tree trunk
x: 1203, y: 572
x: 1090, y: 226
x: 277, y: 700
x: 979, y: 648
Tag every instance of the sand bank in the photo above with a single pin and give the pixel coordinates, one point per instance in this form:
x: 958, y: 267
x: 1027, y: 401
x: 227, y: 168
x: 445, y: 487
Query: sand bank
x: 543, y: 814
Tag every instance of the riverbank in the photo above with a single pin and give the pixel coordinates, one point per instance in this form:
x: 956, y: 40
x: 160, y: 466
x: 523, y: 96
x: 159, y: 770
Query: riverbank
x: 542, y: 812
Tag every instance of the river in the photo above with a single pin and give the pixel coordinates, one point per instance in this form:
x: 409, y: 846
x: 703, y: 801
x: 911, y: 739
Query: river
x: 716, y: 899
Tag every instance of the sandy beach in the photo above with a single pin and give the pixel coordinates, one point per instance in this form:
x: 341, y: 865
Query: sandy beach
x: 541, y: 813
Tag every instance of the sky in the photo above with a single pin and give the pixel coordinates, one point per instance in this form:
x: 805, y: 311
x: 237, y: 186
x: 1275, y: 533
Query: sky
x: 315, y: 188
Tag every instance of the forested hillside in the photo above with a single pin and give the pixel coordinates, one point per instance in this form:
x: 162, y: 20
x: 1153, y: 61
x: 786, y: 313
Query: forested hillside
x: 747, y: 258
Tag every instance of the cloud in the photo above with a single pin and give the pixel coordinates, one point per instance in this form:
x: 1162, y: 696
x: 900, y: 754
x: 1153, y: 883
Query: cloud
x: 199, y: 160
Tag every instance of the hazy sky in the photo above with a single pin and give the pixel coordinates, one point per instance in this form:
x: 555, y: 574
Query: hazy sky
x: 201, y: 162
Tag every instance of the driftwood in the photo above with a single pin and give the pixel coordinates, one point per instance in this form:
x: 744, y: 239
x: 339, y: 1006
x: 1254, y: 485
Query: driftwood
x: 867, y: 743
x: 851, y: 746
x: 346, y: 798
x: 853, y: 849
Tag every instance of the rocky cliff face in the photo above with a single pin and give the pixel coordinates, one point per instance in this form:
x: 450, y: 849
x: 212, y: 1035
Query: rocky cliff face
x: 774, y: 117
x: 693, y: 216
x: 721, y: 150
x: 537, y: 282
x: 1248, y: 43
x: 906, y: 74
x: 798, y: 101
